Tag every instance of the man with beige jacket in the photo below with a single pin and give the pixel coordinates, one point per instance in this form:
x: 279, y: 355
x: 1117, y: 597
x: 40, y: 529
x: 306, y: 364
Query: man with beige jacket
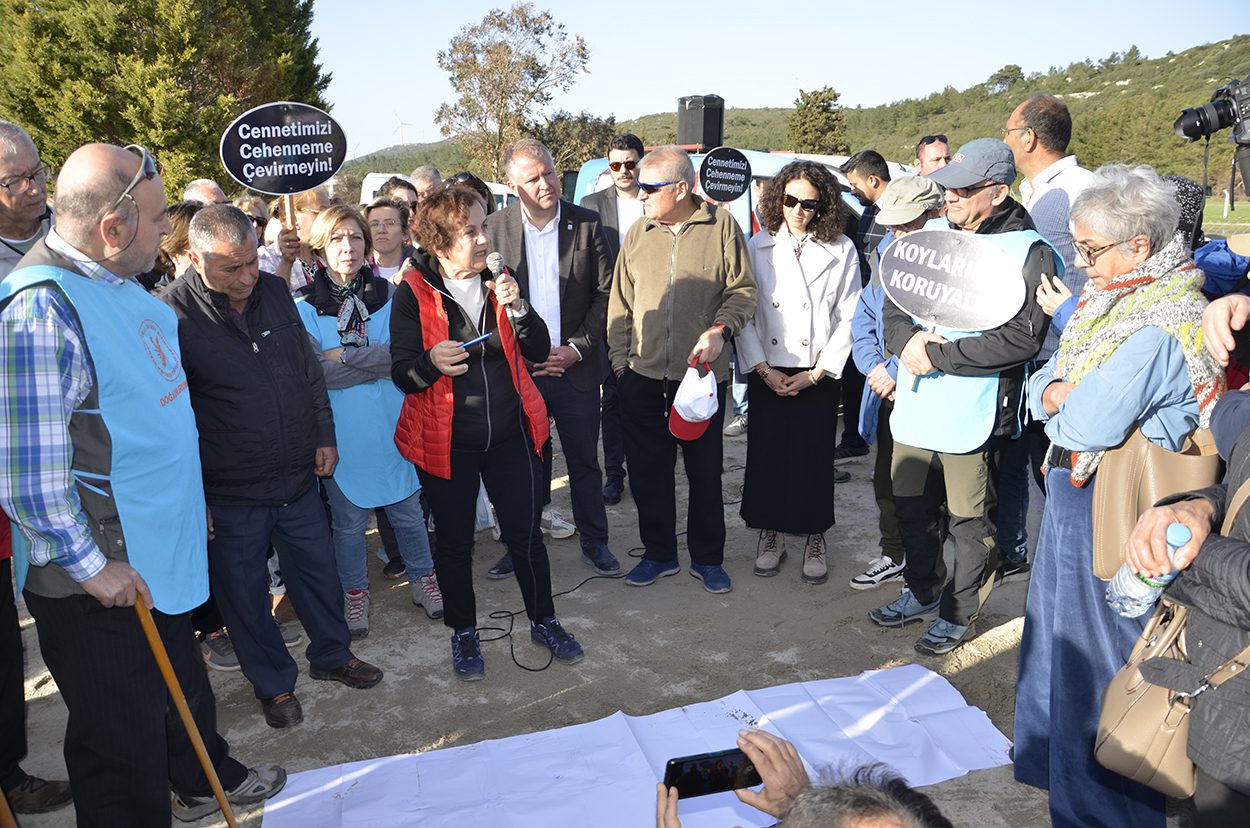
x: 682, y: 288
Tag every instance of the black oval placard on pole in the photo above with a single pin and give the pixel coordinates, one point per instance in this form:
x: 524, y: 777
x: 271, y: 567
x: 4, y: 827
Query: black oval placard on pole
x: 952, y: 279
x: 725, y: 174
x: 283, y: 148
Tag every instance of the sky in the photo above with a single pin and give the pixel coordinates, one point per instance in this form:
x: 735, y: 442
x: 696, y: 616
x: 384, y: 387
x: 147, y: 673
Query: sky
x: 645, y: 54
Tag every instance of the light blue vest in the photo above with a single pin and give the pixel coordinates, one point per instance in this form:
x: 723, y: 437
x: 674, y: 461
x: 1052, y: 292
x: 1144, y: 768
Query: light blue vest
x: 950, y: 413
x: 155, y: 478
x: 371, y: 471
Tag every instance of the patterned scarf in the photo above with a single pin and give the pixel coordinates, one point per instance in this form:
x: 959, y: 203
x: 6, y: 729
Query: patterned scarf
x: 353, y: 316
x: 1162, y: 292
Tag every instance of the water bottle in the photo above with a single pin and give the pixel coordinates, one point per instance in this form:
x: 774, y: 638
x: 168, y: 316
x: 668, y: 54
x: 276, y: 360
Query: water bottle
x: 1132, y: 594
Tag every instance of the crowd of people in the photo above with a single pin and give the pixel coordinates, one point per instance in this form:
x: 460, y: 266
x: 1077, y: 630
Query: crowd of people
x: 206, y: 402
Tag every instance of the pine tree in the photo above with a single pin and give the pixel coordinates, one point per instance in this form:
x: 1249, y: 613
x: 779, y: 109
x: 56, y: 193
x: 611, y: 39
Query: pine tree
x: 817, y: 123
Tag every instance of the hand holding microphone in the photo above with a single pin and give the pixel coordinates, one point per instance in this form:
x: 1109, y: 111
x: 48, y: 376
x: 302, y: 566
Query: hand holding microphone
x: 507, y: 291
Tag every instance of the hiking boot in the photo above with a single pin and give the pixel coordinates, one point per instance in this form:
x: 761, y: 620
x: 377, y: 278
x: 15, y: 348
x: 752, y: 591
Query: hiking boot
x: 356, y: 674
x: 555, y: 525
x: 879, y: 571
x: 218, y: 652
x: 770, y: 551
x: 551, y: 635
x: 261, y: 782
x: 466, y: 655
x: 394, y: 569
x: 903, y: 610
x: 502, y: 569
x: 283, y: 710
x: 602, y: 561
x: 356, y: 605
x: 647, y: 572
x: 942, y: 637
x: 427, y: 595
x: 38, y: 796
x: 737, y: 426
x: 715, y: 579
x: 814, y: 569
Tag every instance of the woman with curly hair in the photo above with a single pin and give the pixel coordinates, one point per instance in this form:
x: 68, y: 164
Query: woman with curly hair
x: 807, y: 274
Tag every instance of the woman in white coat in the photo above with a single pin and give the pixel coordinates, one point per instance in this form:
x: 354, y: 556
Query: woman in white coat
x: 807, y: 273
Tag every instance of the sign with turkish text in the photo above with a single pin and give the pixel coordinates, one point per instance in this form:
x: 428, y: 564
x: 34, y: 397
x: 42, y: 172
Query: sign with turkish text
x: 725, y: 174
x: 283, y: 148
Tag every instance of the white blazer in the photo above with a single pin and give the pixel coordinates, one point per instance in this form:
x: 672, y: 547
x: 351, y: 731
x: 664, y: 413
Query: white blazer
x: 803, y: 315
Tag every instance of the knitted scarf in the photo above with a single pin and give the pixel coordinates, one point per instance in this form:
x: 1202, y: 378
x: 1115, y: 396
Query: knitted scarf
x: 1162, y: 292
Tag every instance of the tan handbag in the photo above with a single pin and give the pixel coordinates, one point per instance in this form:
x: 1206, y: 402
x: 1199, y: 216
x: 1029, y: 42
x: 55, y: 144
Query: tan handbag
x: 1143, y: 731
x: 1136, y: 475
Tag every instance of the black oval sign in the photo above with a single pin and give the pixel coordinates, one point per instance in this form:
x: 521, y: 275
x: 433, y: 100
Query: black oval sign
x: 725, y: 174
x: 952, y: 279
x: 283, y: 148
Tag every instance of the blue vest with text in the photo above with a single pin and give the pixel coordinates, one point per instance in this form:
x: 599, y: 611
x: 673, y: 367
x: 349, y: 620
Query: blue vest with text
x: 154, y: 477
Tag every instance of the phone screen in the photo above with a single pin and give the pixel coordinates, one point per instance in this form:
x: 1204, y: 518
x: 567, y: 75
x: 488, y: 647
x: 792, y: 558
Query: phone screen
x: 709, y: 773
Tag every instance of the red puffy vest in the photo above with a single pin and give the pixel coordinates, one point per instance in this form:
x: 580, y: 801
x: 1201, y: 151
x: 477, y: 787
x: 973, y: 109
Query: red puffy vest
x: 423, y: 433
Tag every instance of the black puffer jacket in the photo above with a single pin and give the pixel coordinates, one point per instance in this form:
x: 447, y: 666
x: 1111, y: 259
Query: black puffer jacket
x: 257, y: 389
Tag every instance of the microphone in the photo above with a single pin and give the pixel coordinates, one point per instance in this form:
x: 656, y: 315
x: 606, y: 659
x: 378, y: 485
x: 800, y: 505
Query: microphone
x: 494, y: 262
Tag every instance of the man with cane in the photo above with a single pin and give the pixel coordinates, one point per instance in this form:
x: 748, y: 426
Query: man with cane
x: 100, y: 471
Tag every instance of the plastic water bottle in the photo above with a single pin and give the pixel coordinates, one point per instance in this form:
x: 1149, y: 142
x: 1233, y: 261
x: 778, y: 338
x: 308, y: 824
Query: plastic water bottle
x: 1132, y: 594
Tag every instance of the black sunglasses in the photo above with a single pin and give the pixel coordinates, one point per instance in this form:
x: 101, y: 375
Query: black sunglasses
x: 615, y: 166
x: 147, y: 171
x: 933, y: 139
x: 650, y: 189
x: 261, y: 223
x: 811, y: 205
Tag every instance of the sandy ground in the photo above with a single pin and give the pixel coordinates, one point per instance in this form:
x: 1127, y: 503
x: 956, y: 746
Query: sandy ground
x: 647, y: 649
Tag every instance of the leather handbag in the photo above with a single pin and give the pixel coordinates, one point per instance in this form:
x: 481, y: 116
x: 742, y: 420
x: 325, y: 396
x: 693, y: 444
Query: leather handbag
x: 1143, y: 730
x: 1136, y: 475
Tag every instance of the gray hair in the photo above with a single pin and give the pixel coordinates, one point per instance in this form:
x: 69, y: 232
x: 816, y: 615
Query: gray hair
x: 1124, y: 202
x: 672, y: 163
x: 426, y: 174
x: 530, y: 148
x: 188, y: 193
x: 218, y: 224
x: 871, y: 792
x: 13, y: 138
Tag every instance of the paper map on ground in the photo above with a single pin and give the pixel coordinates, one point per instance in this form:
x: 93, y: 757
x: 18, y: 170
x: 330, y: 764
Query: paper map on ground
x: 604, y: 773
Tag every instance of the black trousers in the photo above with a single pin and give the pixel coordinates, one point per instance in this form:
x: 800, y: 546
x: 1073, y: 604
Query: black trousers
x: 1219, y: 806
x: 12, y: 690
x: 512, y: 473
x: 613, y: 435
x: 852, y: 387
x: 575, y: 413
x: 651, y: 451
x: 124, y: 742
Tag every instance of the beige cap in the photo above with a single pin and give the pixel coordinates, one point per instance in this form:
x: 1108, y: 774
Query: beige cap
x: 1239, y: 244
x: 906, y: 199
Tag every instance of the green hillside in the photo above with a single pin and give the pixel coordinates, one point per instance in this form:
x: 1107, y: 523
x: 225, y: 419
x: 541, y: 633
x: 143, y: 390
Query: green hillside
x: 1123, y: 107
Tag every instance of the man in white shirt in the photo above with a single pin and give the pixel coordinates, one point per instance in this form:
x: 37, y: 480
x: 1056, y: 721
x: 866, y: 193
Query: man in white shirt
x: 24, y: 213
x: 559, y: 255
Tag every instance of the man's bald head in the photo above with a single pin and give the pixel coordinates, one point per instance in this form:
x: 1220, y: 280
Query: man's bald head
x: 90, y: 180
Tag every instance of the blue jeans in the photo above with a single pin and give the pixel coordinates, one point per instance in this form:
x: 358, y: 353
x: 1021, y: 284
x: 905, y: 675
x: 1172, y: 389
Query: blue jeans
x: 1073, y: 644
x: 1013, y: 499
x: 349, y: 522
x: 738, y: 388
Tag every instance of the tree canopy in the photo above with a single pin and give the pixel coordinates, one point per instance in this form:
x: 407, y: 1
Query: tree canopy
x: 817, y: 124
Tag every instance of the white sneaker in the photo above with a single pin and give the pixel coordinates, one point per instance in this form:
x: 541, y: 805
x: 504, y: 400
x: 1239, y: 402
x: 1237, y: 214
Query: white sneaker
x: 879, y: 571
x: 556, y: 526
x: 737, y: 426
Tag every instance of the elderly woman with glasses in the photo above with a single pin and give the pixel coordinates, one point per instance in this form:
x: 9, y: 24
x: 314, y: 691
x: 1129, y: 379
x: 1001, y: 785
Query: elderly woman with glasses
x: 807, y: 274
x: 1131, y: 357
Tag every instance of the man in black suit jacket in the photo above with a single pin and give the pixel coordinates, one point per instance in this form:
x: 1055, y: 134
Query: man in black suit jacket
x: 558, y: 254
x: 618, y: 208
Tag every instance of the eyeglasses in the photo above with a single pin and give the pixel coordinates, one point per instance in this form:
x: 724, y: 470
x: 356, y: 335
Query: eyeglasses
x: 965, y: 192
x: 933, y: 139
x: 389, y: 224
x: 1008, y: 130
x: 811, y: 205
x: 1088, y: 254
x: 39, y: 176
x: 147, y: 171
x: 260, y: 222
x: 615, y: 166
x: 651, y: 189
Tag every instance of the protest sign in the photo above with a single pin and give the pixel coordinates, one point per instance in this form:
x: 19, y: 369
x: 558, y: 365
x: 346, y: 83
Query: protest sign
x: 283, y: 148
x: 725, y: 174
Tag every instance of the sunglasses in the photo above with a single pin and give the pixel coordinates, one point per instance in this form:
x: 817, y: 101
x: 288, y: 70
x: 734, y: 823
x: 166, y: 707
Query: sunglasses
x: 965, y: 192
x: 615, y: 166
x: 933, y: 139
x: 811, y: 205
x: 147, y: 171
x: 650, y: 189
x: 261, y: 223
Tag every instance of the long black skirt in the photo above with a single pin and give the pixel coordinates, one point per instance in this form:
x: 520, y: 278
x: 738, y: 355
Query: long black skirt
x: 788, y: 486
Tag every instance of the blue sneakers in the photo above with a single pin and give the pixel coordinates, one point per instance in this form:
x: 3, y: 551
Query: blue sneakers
x: 548, y: 633
x: 941, y: 638
x: 602, y: 561
x: 648, y: 572
x: 715, y: 579
x: 902, y: 610
x: 466, y: 655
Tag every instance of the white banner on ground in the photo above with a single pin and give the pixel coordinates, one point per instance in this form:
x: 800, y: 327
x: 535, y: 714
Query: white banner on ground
x: 604, y: 773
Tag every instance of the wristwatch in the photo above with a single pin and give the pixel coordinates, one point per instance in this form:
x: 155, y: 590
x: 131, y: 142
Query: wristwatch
x: 725, y: 330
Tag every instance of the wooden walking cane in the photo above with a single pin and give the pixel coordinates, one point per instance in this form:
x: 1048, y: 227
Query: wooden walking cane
x: 180, y: 701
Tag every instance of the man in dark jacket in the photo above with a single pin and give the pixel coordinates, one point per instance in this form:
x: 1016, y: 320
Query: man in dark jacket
x: 266, y: 434
x: 977, y: 183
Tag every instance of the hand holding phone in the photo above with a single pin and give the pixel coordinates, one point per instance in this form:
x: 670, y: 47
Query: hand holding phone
x: 708, y: 773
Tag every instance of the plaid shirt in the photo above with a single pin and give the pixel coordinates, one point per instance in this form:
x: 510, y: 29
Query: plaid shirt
x: 45, y: 373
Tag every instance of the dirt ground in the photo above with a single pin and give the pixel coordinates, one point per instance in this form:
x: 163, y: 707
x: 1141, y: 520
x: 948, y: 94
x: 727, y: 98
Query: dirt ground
x: 647, y: 650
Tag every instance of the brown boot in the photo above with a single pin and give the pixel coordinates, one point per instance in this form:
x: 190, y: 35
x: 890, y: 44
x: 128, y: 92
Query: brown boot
x: 814, y: 569
x: 769, y: 553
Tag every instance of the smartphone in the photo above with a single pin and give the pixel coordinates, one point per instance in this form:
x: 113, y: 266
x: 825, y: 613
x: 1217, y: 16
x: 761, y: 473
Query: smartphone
x: 709, y: 773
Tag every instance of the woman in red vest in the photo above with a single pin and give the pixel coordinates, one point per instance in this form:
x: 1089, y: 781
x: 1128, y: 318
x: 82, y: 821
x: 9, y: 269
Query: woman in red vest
x: 459, y: 343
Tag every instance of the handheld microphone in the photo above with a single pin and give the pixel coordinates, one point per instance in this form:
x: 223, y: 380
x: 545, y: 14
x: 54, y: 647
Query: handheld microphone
x: 494, y: 262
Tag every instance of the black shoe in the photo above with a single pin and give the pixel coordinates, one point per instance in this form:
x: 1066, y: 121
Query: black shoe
x: 502, y: 568
x: 613, y: 491
x: 356, y: 674
x: 844, y: 451
x: 38, y: 796
x: 1010, y: 570
x: 840, y: 476
x: 283, y: 710
x: 394, y: 569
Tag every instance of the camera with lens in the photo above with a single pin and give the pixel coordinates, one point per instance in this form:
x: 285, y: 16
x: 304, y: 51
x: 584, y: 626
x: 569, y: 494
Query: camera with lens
x: 1229, y: 107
